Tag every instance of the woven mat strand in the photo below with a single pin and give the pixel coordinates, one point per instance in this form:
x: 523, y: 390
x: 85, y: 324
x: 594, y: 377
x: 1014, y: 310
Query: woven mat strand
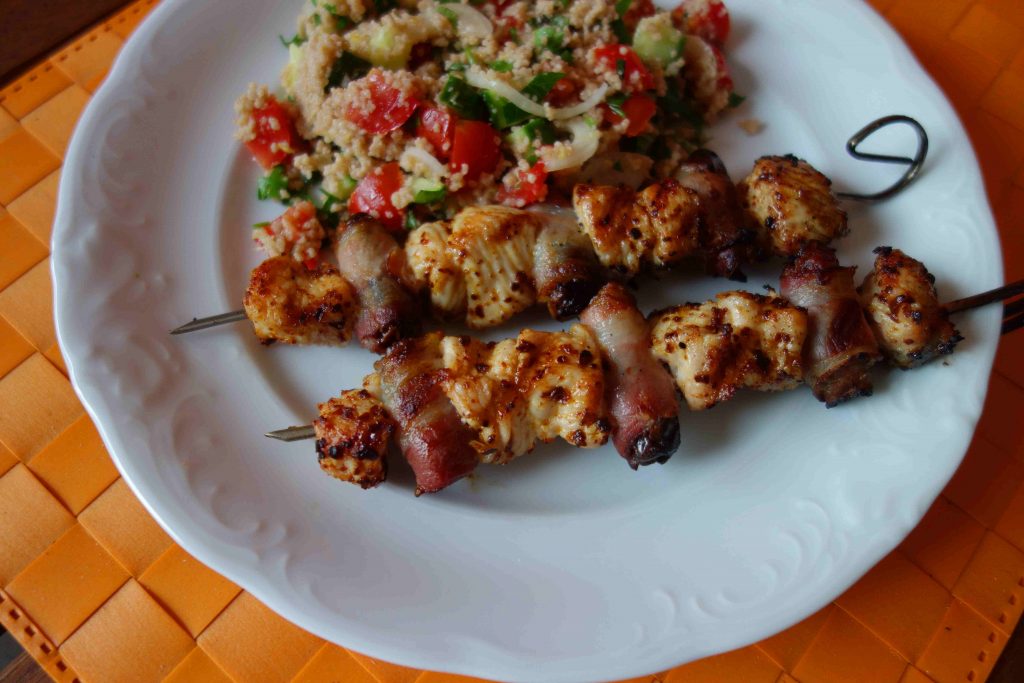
x: 96, y: 591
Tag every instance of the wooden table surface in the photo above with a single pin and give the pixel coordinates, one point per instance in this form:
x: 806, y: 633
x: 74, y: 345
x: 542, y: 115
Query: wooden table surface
x: 30, y: 29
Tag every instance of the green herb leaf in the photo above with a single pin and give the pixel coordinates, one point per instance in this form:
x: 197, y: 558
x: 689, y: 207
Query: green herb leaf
x: 513, y: 33
x: 330, y: 201
x: 261, y: 224
x: 411, y: 222
x: 504, y: 114
x: 622, y: 6
x: 621, y: 32
x: 463, y: 99
x: 540, y: 129
x: 316, y: 20
x: 541, y: 84
x: 620, y: 67
x: 451, y: 16
x: 615, y: 103
x: 294, y: 40
x: 430, y: 196
x: 274, y: 185
x: 736, y: 100
x: 501, y: 66
x: 346, y: 68
x: 342, y: 22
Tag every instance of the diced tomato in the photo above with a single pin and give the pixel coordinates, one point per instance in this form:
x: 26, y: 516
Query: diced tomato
x: 276, y: 137
x: 475, y: 149
x: 639, y: 110
x: 638, y: 9
x: 521, y: 188
x: 708, y: 19
x: 563, y: 92
x: 436, y: 126
x: 627, y: 63
x: 373, y: 196
x: 390, y: 107
x: 311, y: 263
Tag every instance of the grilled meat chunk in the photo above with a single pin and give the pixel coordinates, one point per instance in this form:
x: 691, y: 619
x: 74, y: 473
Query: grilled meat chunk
x: 657, y: 226
x: 697, y: 212
x: 435, y: 268
x: 903, y: 308
x: 493, y: 245
x: 840, y: 348
x: 372, y: 261
x: 565, y: 271
x: 640, y: 394
x: 738, y: 340
x: 791, y: 204
x: 410, y: 381
x: 352, y: 436
x: 537, y: 386
x: 287, y: 302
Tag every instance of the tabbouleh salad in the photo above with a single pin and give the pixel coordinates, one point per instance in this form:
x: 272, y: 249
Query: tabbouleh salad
x: 408, y: 110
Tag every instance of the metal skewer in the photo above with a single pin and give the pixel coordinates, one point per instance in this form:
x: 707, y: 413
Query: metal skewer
x: 852, y: 144
x: 293, y: 433
x: 1013, y: 319
x: 210, y: 321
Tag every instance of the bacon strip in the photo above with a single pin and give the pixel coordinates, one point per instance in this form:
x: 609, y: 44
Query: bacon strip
x: 841, y: 348
x: 372, y: 261
x: 726, y: 242
x: 565, y: 270
x: 641, y: 398
x: 432, y: 438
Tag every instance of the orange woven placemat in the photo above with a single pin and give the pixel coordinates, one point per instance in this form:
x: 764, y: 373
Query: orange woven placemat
x: 96, y: 591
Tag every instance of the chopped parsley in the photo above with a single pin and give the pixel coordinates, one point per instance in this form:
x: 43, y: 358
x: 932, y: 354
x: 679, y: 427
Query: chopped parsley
x: 448, y: 14
x: 501, y: 66
x: 736, y: 100
x: 462, y: 99
x: 274, y: 185
x: 294, y: 40
x: 347, y: 67
x: 541, y: 84
x: 615, y: 103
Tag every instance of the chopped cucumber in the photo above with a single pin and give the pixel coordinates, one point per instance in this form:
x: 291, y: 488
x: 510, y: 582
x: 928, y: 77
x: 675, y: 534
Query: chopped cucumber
x: 657, y: 41
x: 428, y: 191
x: 386, y: 51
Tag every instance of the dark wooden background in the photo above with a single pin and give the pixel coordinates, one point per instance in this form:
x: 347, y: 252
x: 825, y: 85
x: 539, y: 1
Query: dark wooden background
x: 31, y: 29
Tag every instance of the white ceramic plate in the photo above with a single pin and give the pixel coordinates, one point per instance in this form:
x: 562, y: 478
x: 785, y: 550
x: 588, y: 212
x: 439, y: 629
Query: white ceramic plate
x: 566, y: 565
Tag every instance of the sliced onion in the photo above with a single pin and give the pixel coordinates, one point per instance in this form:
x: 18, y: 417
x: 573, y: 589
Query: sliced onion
x: 596, y: 98
x: 585, y: 141
x: 471, y: 22
x: 480, y: 80
x: 413, y: 153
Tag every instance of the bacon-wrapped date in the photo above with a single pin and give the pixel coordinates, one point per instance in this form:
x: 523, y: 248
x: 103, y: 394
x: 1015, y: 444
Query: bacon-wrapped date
x: 641, y: 397
x: 840, y: 348
x: 371, y: 260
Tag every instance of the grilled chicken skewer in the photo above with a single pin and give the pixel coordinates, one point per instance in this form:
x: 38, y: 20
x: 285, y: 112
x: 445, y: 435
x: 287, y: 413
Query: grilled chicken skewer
x: 490, y: 263
x: 601, y: 379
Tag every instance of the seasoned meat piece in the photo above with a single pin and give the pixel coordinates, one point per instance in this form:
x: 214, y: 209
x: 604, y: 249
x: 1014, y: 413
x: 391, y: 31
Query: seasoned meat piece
x: 565, y: 271
x: 494, y: 247
x: 352, y: 435
x: 903, y: 308
x: 737, y: 340
x: 792, y: 204
x: 435, y: 442
x: 640, y: 394
x: 372, y: 261
x: 840, y: 348
x: 538, y: 386
x: 287, y: 302
x: 657, y: 226
x: 435, y: 268
x: 726, y: 242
